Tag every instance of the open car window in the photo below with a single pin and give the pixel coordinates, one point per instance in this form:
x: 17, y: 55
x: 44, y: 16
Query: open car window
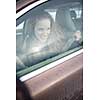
x: 47, y: 33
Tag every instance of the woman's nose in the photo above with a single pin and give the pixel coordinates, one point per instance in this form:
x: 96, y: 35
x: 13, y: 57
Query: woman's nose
x: 46, y: 32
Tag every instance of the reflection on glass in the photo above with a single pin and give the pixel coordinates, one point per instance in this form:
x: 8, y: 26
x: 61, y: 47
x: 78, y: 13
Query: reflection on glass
x: 45, y: 35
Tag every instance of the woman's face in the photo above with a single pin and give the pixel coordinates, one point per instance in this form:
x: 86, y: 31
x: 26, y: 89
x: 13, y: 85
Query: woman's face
x: 42, y: 30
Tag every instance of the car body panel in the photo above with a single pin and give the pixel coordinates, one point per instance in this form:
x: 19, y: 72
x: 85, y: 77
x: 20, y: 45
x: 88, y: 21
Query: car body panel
x: 56, y: 82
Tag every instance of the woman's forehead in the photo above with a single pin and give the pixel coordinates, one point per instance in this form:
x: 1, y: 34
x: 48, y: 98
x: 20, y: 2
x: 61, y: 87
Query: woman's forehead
x: 43, y: 22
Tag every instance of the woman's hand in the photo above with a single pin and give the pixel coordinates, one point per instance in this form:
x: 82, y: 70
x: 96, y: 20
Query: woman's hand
x: 77, y: 35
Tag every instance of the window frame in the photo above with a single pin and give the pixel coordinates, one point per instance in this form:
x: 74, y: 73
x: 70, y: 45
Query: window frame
x: 31, y: 74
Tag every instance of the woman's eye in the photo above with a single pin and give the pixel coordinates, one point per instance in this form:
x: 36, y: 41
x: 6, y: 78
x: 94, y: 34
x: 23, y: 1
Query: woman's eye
x: 40, y: 29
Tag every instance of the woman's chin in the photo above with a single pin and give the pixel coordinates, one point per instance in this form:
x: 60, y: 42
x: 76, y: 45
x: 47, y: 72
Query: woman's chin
x: 44, y: 40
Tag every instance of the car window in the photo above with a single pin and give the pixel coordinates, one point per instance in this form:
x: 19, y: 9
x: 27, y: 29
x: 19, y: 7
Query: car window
x: 47, y: 33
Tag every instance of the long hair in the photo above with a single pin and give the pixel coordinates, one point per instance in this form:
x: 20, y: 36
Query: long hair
x: 31, y: 22
x: 30, y: 25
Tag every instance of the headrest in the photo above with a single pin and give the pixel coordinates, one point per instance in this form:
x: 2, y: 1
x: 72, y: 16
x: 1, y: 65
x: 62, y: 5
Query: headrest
x: 64, y: 20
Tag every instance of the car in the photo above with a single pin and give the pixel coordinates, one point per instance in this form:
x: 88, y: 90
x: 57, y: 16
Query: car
x: 51, y: 67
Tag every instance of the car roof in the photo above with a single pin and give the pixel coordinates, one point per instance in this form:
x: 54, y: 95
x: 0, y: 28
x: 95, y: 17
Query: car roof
x: 20, y: 4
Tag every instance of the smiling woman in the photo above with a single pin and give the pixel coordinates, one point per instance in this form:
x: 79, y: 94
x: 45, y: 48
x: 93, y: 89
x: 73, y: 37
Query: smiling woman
x: 37, y: 39
x: 38, y: 28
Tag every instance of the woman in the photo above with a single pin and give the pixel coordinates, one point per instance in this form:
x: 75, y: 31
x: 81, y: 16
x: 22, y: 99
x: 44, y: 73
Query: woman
x: 43, y: 39
x: 39, y: 36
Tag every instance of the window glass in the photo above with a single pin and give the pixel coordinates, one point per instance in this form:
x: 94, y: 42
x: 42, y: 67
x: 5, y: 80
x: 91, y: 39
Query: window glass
x: 46, y: 35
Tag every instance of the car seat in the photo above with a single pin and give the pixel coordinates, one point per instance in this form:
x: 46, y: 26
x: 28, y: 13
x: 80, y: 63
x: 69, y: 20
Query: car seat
x: 66, y: 25
x: 77, y: 21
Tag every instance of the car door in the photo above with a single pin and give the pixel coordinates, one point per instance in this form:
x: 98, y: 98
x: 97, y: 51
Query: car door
x: 56, y: 75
